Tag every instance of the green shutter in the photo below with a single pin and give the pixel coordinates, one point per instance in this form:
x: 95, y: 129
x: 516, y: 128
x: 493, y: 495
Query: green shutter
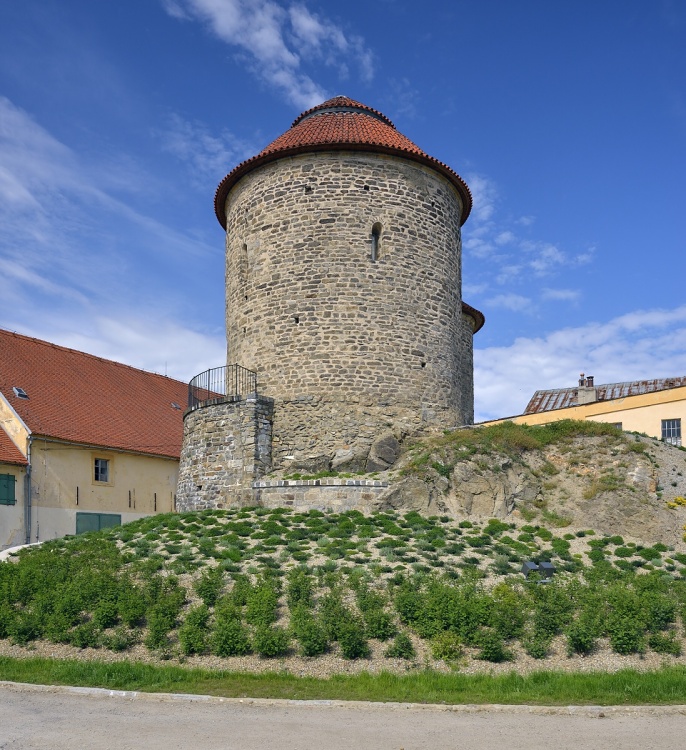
x: 7, y: 496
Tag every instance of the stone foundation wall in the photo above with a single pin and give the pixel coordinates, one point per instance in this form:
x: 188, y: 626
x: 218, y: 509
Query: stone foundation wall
x: 226, y: 447
x: 336, y: 495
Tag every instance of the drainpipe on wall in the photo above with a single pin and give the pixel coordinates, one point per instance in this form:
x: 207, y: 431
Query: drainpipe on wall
x: 27, y: 494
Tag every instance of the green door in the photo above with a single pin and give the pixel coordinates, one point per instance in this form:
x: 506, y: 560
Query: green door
x: 96, y: 521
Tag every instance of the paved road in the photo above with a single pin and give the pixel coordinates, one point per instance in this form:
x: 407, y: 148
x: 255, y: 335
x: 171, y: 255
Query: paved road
x: 65, y: 718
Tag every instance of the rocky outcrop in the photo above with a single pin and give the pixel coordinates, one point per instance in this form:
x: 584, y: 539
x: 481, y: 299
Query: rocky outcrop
x: 609, y: 484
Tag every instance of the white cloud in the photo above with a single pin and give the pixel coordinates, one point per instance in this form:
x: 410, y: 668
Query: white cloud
x: 485, y: 195
x: 635, y: 346
x: 157, y: 345
x: 511, y: 302
x: 504, y: 238
x: 546, y: 258
x: 279, y: 42
x: 208, y: 157
x: 563, y: 295
x: 514, y: 259
x: 77, y: 248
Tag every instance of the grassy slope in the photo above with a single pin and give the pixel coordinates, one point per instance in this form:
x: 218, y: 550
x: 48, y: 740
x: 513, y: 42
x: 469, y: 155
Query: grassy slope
x: 75, y: 585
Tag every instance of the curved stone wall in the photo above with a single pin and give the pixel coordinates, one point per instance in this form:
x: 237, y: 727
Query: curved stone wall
x: 226, y: 447
x: 348, y: 344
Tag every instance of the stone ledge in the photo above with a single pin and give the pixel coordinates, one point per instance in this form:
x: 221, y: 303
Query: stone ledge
x: 326, y: 482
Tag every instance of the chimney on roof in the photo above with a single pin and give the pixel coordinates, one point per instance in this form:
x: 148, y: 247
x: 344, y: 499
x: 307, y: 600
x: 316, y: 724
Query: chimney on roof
x: 586, y: 393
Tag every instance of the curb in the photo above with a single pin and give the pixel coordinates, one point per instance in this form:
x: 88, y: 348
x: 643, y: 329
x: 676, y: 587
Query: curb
x: 596, y: 712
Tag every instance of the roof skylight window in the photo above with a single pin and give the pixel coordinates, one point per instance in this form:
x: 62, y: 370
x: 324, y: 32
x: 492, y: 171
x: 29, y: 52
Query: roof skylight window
x: 175, y: 405
x: 20, y: 392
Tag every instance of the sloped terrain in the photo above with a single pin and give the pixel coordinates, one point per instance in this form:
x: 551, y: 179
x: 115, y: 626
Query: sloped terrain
x: 576, y: 474
x: 396, y: 589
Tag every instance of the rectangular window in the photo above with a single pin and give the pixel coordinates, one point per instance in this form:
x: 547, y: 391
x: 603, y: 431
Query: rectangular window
x: 618, y: 425
x: 102, y: 470
x: 671, y: 431
x: 7, y: 496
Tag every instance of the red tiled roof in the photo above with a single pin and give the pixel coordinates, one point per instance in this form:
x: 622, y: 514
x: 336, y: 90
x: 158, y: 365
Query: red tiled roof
x: 562, y: 398
x: 9, y: 453
x: 340, y: 124
x: 476, y: 315
x: 85, y: 399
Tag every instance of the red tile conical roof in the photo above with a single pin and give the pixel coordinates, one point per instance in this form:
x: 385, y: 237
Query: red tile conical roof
x: 340, y: 124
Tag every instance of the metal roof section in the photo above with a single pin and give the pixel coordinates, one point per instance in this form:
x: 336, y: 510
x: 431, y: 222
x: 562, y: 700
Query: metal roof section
x: 562, y: 398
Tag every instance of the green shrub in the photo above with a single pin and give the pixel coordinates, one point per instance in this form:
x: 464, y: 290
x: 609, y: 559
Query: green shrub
x: 230, y: 637
x: 352, y: 640
x: 379, y: 624
x: 106, y: 614
x: 446, y: 646
x: 193, y: 632
x: 299, y: 588
x: 536, y: 645
x: 492, y: 646
x: 401, y: 648
x: 626, y: 634
x: 24, y: 627
x: 262, y: 602
x: 271, y: 641
x: 508, y: 613
x: 86, y: 635
x: 659, y: 611
x: 333, y: 614
x: 209, y: 586
x: 552, y: 608
x: 121, y: 640
x: 131, y: 605
x: 312, y: 637
x: 581, y: 637
x: 560, y: 547
x: 665, y: 643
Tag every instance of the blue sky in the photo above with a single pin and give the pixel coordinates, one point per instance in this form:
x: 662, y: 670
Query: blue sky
x: 567, y: 120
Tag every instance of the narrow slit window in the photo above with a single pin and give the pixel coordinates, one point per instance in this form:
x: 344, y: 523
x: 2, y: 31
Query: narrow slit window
x: 376, y: 242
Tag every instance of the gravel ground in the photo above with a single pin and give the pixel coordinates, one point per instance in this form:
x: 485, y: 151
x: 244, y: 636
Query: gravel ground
x: 333, y: 663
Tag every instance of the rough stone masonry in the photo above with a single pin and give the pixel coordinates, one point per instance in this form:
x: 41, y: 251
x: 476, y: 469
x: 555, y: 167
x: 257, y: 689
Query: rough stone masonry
x: 343, y: 294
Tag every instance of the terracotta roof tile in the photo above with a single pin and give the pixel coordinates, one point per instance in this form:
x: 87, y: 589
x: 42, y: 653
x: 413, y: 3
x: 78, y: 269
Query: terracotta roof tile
x: 562, y: 398
x: 85, y: 399
x: 9, y: 453
x: 340, y: 124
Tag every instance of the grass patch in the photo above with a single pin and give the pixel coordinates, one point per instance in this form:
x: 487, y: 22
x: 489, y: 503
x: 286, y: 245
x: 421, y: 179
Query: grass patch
x: 627, y: 687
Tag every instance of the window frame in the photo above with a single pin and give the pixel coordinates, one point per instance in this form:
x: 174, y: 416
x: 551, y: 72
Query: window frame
x: 671, y: 431
x: 97, y: 470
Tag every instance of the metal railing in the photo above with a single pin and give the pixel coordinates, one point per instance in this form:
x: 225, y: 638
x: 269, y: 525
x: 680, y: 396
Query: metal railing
x: 220, y: 383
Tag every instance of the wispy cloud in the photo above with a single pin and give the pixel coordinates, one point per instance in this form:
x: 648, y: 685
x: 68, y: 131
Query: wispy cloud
x: 206, y: 156
x: 150, y: 344
x: 79, y: 239
x: 640, y: 344
x: 279, y: 41
x: 507, y: 255
x: 515, y: 302
x: 564, y: 295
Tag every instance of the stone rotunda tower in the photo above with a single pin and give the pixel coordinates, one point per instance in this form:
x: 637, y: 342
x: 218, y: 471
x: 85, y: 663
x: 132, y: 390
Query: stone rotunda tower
x: 343, y: 292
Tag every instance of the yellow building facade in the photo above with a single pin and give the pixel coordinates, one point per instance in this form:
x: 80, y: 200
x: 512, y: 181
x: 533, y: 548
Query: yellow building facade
x: 656, y: 408
x: 85, y: 443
